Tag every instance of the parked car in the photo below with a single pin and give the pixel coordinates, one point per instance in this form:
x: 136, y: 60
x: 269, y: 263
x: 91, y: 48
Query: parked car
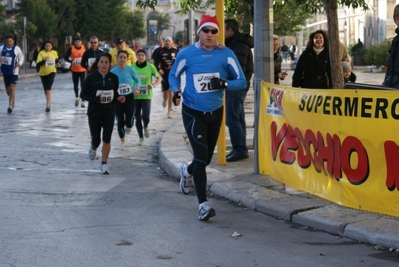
x: 105, y: 49
x: 64, y: 66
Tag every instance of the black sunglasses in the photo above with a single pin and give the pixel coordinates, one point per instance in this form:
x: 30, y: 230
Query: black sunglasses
x: 206, y: 30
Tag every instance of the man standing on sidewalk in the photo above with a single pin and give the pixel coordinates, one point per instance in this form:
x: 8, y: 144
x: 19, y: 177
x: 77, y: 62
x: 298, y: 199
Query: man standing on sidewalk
x: 241, y: 44
x: 74, y: 55
x: 11, y: 59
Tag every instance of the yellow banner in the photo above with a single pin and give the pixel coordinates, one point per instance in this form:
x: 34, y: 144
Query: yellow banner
x: 341, y: 144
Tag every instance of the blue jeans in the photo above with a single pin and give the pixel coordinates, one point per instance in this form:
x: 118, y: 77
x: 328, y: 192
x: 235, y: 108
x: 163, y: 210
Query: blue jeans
x: 235, y: 120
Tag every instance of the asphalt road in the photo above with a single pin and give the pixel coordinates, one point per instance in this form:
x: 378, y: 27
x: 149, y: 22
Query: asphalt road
x: 58, y: 210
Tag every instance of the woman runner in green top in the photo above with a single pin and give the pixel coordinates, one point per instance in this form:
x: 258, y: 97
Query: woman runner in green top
x: 146, y: 71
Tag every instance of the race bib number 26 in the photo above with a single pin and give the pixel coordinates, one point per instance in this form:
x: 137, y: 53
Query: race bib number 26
x: 202, y: 82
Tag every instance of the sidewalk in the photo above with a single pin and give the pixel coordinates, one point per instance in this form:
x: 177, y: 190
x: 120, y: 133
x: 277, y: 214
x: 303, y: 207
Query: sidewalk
x: 237, y: 182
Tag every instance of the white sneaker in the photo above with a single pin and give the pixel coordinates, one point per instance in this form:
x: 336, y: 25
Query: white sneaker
x: 140, y: 142
x: 77, y: 100
x: 205, y: 211
x: 92, y: 153
x: 185, y: 180
x: 123, y: 146
x: 82, y: 105
x: 104, y: 169
x: 128, y: 130
x: 146, y: 132
x: 170, y: 114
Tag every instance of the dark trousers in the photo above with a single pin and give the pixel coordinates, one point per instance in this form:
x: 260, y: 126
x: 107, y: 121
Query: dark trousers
x: 235, y: 120
x: 76, y: 77
x: 202, y: 129
x: 124, y: 114
x: 143, y: 109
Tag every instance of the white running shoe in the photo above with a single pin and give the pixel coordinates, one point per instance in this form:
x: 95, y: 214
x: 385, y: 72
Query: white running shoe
x: 146, y: 132
x: 140, y: 142
x: 128, y: 130
x: 82, y: 105
x: 92, y: 153
x: 77, y: 100
x: 185, y: 180
x: 123, y: 146
x: 170, y: 114
x: 205, y: 211
x: 104, y: 169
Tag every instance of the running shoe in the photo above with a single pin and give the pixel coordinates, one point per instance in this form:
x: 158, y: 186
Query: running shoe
x: 104, y: 169
x: 82, y: 104
x: 185, y: 180
x: 170, y: 114
x: 9, y: 110
x: 77, y: 100
x: 146, y: 132
x: 205, y: 211
x: 123, y: 146
x: 128, y: 130
x: 92, y: 153
x: 47, y: 108
x: 164, y: 103
x: 140, y: 142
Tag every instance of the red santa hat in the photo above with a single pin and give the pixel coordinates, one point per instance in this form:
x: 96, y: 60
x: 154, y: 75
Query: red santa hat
x: 208, y: 21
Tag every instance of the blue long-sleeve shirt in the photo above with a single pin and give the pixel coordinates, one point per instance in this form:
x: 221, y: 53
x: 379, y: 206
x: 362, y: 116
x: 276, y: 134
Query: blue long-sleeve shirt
x: 128, y: 80
x: 200, y: 66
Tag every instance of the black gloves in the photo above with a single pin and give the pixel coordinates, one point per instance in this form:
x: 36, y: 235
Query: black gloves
x: 176, y: 95
x: 217, y: 83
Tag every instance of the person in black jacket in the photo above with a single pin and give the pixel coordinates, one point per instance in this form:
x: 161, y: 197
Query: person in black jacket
x: 89, y: 56
x: 313, y: 69
x: 100, y: 89
x: 278, y: 74
x: 349, y: 76
x: 241, y: 44
x: 392, y: 75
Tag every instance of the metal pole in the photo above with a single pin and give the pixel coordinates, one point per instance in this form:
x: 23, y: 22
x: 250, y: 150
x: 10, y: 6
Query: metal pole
x: 24, y: 47
x: 264, y: 59
x: 191, y: 26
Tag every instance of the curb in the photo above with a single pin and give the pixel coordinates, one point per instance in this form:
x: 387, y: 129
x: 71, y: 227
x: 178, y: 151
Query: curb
x: 310, y: 211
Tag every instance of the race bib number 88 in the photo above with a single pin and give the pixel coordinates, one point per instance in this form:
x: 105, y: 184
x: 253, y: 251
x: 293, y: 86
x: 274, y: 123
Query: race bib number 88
x: 202, y: 82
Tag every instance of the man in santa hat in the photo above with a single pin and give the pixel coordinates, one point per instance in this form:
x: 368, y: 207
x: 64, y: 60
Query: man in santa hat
x: 206, y: 65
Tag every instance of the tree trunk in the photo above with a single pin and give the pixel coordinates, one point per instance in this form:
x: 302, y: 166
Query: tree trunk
x: 333, y: 41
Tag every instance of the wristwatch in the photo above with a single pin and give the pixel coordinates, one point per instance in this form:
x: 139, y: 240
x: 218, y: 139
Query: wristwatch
x: 225, y: 84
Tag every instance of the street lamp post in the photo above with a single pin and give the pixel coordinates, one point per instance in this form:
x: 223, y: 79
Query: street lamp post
x: 174, y: 28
